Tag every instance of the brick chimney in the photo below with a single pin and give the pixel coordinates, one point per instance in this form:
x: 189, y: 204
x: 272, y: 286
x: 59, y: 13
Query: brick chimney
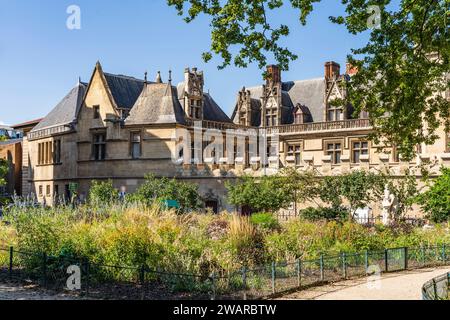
x: 273, y: 74
x: 350, y: 69
x: 332, y: 69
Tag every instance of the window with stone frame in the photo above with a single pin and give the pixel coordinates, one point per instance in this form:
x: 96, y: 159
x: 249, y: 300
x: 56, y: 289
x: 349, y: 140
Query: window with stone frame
x: 57, y: 151
x: 195, y: 108
x: 243, y: 119
x: 99, y: 146
x: 334, y: 149
x: 45, y: 153
x: 334, y: 113
x: 294, y: 151
x: 135, y: 144
x: 40, y: 191
x: 298, y: 118
x: 48, y: 192
x: 359, y: 148
x: 271, y: 117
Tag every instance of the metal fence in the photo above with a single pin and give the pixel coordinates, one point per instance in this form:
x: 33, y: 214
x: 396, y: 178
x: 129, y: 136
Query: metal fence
x: 124, y: 282
x: 437, y: 288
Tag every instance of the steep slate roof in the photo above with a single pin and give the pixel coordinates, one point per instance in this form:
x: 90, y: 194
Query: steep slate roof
x: 125, y: 90
x: 65, y: 111
x: 212, y: 111
x: 309, y: 93
x: 158, y: 103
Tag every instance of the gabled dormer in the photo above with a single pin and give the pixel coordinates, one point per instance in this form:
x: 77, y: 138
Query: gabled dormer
x: 107, y: 102
x: 192, y: 97
x: 272, y: 98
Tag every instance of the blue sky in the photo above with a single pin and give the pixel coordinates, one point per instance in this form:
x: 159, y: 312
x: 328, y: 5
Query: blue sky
x: 41, y: 60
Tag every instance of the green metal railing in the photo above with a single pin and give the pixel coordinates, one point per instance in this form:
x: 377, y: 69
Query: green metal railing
x: 437, y: 288
x: 142, y: 282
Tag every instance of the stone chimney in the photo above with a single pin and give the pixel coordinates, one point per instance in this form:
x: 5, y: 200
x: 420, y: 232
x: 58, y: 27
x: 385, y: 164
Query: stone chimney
x: 332, y: 70
x: 273, y: 74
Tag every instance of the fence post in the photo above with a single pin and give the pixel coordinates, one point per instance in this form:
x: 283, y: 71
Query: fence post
x: 244, y: 281
x: 11, y: 261
x: 142, y: 281
x: 44, y: 269
x: 422, y: 251
x: 273, y: 277
x: 405, y: 252
x: 322, y: 273
x: 213, y: 282
x: 444, y: 254
x: 386, y: 260
x: 344, y: 265
x: 87, y: 267
x: 366, y: 260
x: 299, y: 273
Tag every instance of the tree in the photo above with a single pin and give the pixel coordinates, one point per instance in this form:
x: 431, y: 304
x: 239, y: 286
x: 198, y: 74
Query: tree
x: 154, y: 189
x: 400, y: 69
x: 358, y: 188
x: 436, y: 200
x: 4, y: 167
x: 265, y: 194
x: 405, y: 191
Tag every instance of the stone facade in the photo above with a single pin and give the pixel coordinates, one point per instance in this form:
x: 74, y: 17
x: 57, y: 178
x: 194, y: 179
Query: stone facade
x: 121, y: 128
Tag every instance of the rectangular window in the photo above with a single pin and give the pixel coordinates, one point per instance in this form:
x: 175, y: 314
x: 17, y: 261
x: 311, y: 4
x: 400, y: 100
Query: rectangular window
x: 135, y: 145
x: 45, y: 153
x: 57, y: 151
x: 334, y: 149
x: 335, y: 113
x: 99, y: 146
x: 48, y: 191
x: 295, y: 152
x: 56, y: 191
x: 96, y: 110
x: 271, y: 117
x: 359, y: 148
x: 41, y: 191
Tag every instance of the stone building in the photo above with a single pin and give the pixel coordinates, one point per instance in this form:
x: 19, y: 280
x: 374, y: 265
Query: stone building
x: 121, y: 128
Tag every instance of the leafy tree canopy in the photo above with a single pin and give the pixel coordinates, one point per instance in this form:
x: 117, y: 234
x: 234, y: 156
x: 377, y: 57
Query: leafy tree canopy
x: 400, y: 68
x: 154, y: 189
x: 436, y: 200
x: 267, y: 193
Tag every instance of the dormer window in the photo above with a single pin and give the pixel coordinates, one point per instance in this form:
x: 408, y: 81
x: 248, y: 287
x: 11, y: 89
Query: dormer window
x: 335, y: 113
x: 271, y: 117
x: 195, y: 109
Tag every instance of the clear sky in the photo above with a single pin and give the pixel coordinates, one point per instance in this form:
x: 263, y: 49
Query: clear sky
x: 41, y: 59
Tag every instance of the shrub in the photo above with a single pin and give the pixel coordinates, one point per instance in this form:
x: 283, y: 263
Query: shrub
x: 265, y: 221
x: 320, y: 213
x: 436, y: 201
x: 154, y: 189
x: 103, y: 193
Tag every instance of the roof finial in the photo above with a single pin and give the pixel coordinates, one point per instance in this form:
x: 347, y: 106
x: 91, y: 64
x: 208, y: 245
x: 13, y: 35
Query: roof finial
x: 145, y: 76
x: 170, y: 76
x: 79, y: 80
x: 158, y: 77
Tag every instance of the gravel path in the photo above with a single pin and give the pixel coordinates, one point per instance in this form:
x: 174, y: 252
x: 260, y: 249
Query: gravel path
x: 405, y: 285
x: 17, y: 292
